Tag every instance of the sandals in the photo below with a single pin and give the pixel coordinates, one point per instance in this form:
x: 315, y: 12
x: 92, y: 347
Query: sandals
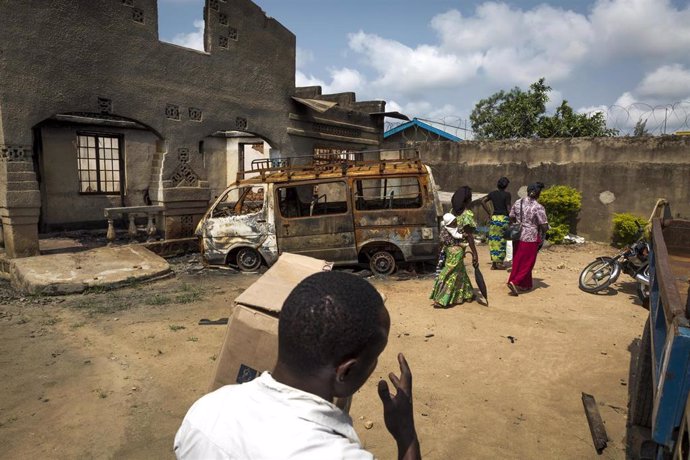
x: 513, y: 289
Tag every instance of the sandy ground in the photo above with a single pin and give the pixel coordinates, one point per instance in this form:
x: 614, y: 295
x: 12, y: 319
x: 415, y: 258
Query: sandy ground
x: 111, y: 374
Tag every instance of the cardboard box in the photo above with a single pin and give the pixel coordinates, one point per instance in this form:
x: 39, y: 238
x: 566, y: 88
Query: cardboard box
x: 251, y: 339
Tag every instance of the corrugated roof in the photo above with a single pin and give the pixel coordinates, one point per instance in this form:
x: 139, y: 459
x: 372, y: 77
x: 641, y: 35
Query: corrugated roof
x: 421, y: 124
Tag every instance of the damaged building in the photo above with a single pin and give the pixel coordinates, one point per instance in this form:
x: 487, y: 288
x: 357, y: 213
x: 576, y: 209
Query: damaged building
x: 96, y: 112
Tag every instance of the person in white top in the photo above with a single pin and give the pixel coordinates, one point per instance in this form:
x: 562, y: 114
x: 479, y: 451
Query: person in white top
x: 333, y: 326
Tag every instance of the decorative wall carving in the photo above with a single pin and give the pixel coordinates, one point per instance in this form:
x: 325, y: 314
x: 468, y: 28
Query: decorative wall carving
x: 240, y: 123
x: 187, y: 225
x: 232, y: 33
x: 128, y: 2
x: 223, y: 41
x: 223, y: 19
x: 105, y: 106
x: 15, y: 153
x: 172, y: 111
x: 184, y: 175
x: 183, y: 155
x: 214, y: 4
x: 337, y: 130
x: 138, y: 15
x: 195, y: 114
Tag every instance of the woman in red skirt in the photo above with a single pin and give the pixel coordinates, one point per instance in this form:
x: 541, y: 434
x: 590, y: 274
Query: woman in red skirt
x: 532, y: 217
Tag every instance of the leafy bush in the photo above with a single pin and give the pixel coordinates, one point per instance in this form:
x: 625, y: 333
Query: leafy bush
x: 562, y: 204
x: 625, y: 228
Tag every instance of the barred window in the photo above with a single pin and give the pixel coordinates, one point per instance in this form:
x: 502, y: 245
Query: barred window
x: 98, y: 158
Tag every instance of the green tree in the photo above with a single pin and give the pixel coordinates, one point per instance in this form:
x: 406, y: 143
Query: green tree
x: 562, y: 203
x: 510, y: 115
x: 522, y: 114
x: 641, y: 129
x: 567, y: 123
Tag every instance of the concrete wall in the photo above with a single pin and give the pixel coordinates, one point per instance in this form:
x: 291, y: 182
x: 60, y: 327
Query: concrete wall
x: 101, y: 59
x: 61, y: 202
x: 614, y: 174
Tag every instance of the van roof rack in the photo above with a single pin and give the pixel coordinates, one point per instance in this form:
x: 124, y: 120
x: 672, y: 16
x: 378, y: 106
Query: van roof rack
x: 334, y: 163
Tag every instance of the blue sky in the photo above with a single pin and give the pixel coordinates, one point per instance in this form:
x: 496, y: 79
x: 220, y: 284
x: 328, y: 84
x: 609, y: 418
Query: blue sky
x: 436, y: 59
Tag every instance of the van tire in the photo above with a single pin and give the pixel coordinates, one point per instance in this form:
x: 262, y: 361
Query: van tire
x: 642, y: 396
x: 248, y: 259
x: 382, y: 263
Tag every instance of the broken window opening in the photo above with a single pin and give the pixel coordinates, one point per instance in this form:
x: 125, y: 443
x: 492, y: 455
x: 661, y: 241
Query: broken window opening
x: 388, y: 193
x: 99, y: 163
x: 312, y: 200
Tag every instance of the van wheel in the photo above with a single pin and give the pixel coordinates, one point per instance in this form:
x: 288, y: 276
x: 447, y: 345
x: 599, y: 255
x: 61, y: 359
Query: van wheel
x: 248, y: 259
x: 382, y: 263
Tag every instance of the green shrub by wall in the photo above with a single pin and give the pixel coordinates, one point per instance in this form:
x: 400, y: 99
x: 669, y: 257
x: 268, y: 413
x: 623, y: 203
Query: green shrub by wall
x: 625, y: 228
x: 562, y: 203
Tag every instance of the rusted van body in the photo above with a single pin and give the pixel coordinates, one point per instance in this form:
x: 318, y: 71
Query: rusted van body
x: 378, y: 213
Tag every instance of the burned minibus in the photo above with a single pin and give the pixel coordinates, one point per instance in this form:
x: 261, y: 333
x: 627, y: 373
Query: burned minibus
x: 377, y: 213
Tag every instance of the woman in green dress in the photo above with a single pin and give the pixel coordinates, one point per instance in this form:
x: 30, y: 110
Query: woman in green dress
x: 452, y: 285
x: 501, y: 203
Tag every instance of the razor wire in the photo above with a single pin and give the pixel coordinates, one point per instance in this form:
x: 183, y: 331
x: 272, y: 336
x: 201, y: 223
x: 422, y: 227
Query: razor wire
x: 650, y: 120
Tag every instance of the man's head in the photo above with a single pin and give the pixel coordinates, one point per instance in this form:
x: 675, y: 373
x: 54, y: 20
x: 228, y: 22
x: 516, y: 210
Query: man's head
x: 502, y: 183
x: 333, y: 325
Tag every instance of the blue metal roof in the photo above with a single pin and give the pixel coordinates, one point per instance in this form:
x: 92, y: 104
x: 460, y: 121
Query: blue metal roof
x: 421, y: 124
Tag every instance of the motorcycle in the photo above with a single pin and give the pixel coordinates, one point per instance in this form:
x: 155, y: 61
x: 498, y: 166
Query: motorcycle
x: 632, y: 260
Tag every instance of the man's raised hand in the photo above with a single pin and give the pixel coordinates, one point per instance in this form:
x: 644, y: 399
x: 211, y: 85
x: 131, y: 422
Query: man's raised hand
x: 397, y: 411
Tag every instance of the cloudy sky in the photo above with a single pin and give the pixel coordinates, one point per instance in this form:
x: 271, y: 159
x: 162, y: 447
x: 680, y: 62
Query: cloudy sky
x: 436, y: 59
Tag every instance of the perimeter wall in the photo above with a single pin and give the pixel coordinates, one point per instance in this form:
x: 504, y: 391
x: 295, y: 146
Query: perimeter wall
x: 614, y: 175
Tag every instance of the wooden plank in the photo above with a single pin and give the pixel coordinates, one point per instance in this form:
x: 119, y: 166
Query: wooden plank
x: 596, y: 425
x: 670, y: 296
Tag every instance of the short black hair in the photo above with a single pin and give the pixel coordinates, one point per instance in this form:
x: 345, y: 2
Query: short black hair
x: 502, y: 183
x: 328, y: 317
x: 534, y: 190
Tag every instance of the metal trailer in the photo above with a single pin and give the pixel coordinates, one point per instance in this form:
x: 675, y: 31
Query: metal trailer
x: 660, y: 395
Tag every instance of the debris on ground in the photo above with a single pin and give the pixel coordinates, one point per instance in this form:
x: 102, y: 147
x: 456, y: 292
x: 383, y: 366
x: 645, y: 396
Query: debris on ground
x: 596, y: 424
x: 573, y: 239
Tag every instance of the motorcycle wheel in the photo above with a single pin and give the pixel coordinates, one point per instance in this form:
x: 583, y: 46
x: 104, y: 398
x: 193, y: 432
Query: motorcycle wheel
x: 599, y: 275
x: 643, y: 289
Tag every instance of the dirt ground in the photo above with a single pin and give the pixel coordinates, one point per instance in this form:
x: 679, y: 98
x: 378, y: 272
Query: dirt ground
x: 111, y: 374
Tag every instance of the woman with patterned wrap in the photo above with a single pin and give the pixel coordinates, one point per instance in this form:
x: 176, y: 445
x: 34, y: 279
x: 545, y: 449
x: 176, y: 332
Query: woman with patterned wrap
x: 452, y: 284
x: 500, y: 201
x: 534, y: 225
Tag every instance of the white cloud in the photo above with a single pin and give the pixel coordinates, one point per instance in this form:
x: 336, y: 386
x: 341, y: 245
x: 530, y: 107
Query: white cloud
x: 304, y: 57
x: 194, y: 40
x: 342, y: 80
x: 412, y: 69
x: 669, y: 83
x: 517, y: 46
x: 662, y: 99
x: 651, y: 28
x: 508, y: 46
x: 301, y: 79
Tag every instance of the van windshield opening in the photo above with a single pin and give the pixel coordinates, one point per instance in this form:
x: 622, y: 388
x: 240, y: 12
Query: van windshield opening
x: 240, y: 201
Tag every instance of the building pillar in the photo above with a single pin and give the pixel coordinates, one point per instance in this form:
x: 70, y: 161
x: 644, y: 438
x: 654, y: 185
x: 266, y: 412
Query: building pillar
x: 183, y: 192
x: 20, y: 201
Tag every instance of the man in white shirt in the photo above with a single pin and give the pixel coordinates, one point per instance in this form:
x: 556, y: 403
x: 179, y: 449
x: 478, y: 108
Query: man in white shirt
x: 333, y: 326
